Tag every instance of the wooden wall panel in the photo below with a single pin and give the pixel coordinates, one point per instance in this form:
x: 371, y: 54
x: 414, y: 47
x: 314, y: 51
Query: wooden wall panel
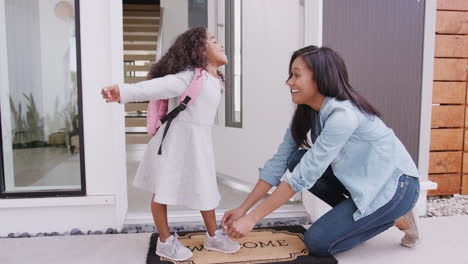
x: 449, y: 93
x: 461, y: 5
x: 451, y: 46
x: 448, y: 164
x: 447, y: 139
x: 449, y: 22
x: 448, y: 116
x: 445, y: 162
x: 446, y: 184
x: 450, y: 69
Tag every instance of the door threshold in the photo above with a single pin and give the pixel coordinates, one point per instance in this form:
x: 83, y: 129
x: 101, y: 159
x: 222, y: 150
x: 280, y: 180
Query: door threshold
x: 286, y: 213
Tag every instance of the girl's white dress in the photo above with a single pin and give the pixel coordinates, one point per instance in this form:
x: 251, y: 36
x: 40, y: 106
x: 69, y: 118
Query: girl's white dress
x: 184, y: 174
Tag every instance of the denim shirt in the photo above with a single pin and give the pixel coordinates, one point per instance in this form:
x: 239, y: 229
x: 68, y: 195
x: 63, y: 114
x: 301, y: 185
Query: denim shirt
x: 364, y: 153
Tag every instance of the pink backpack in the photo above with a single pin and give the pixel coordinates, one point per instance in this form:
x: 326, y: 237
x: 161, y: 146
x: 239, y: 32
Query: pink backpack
x: 157, y: 109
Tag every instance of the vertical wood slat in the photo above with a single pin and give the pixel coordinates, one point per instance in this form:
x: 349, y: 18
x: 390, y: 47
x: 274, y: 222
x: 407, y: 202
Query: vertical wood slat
x: 449, y: 93
x: 466, y: 87
x: 466, y: 119
x: 446, y: 184
x: 465, y: 145
x: 464, y: 188
x: 465, y: 163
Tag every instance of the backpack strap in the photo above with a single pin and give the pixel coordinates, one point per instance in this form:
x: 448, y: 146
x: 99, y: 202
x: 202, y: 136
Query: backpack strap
x: 195, y: 87
x: 187, y: 98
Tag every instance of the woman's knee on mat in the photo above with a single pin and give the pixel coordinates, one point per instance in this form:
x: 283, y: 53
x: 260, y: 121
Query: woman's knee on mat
x: 318, y: 242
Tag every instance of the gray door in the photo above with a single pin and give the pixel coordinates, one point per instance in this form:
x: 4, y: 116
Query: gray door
x: 381, y: 42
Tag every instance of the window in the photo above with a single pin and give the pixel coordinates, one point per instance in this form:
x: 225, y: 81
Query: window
x: 233, y: 48
x: 198, y: 13
x: 41, y: 105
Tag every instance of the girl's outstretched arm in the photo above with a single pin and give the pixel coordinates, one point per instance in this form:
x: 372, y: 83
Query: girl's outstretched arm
x: 261, y: 188
x: 245, y: 224
x: 111, y: 93
x: 169, y: 86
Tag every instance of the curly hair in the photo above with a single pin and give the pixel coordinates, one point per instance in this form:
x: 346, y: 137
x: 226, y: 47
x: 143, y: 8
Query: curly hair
x: 187, y: 53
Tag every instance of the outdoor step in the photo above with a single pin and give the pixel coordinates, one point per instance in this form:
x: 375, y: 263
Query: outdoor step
x: 132, y: 107
x: 141, y: 7
x: 141, y: 21
x: 142, y: 13
x: 140, y: 38
x: 135, y: 79
x: 135, y: 121
x: 137, y: 138
x: 134, y: 68
x: 140, y: 47
x: 151, y: 29
x: 138, y: 57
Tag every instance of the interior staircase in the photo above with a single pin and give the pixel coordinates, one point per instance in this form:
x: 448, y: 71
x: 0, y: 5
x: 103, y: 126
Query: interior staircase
x: 141, y: 32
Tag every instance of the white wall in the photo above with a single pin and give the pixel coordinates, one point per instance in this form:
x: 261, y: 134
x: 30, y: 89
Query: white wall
x: 267, y: 45
x: 175, y: 21
x: 104, y: 138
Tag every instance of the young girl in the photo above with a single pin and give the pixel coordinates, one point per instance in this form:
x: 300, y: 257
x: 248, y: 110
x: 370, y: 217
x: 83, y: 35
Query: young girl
x: 357, y: 165
x: 184, y: 172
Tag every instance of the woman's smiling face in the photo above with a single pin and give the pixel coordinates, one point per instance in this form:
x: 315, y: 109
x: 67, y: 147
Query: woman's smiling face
x: 302, y: 84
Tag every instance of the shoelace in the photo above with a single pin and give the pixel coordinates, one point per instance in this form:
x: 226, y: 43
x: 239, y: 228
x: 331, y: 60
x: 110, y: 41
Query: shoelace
x: 223, y: 235
x: 176, y: 245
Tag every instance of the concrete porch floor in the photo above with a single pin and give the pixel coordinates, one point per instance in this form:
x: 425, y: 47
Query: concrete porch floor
x: 445, y: 240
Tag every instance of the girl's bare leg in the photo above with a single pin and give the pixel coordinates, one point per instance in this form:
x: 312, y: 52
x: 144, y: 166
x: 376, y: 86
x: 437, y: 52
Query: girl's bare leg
x: 159, y: 212
x: 210, y: 221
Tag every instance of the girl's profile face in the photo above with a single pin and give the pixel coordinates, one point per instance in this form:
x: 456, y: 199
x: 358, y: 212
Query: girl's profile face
x: 302, y: 84
x: 215, y: 51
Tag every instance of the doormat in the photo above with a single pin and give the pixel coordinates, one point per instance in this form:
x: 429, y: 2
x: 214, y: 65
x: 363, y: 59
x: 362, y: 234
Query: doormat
x: 263, y: 245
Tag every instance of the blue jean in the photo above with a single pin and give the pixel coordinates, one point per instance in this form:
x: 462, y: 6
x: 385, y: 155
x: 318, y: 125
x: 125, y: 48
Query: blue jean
x: 336, y: 231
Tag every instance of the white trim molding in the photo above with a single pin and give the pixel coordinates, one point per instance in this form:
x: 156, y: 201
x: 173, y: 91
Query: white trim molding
x: 313, y: 20
x: 57, y: 201
x: 426, y: 105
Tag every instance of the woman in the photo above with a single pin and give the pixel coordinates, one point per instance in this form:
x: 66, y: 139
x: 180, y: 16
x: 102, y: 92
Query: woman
x: 356, y: 164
